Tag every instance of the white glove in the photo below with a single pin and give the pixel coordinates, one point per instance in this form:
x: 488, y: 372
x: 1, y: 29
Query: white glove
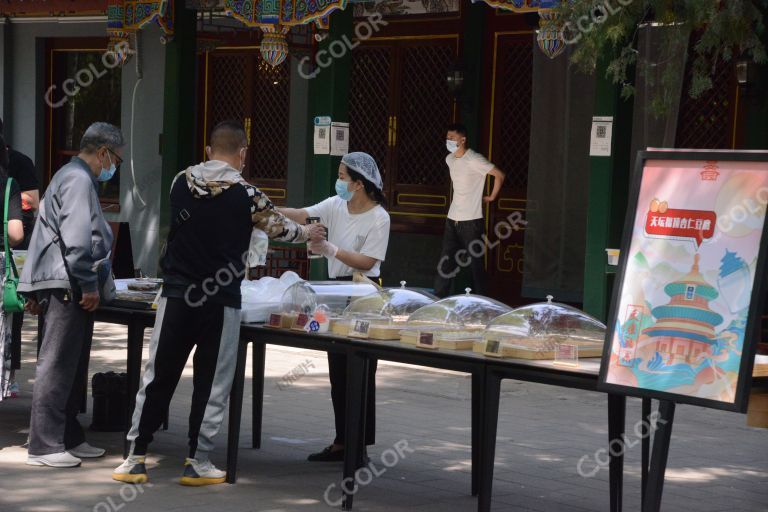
x: 323, y: 247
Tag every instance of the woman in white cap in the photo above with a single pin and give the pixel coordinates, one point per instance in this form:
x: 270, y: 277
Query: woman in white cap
x: 358, y: 234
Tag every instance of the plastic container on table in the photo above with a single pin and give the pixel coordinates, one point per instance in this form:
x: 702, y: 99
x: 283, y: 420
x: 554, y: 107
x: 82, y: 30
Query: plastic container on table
x: 453, y: 323
x: 535, y: 331
x: 382, y: 314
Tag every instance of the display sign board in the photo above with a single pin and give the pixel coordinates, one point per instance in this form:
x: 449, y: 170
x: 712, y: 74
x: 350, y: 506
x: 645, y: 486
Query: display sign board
x: 492, y: 348
x: 339, y: 138
x: 426, y: 340
x: 300, y: 322
x: 684, y: 320
x: 566, y: 354
x: 275, y: 320
x: 360, y: 329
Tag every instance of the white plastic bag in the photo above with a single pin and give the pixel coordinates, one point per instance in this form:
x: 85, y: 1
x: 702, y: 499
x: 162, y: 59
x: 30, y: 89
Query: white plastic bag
x: 258, y: 248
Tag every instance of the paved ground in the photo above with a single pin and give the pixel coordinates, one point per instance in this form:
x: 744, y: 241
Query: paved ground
x: 716, y: 462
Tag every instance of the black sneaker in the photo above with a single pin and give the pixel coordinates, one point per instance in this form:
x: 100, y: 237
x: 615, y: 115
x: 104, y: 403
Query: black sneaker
x: 327, y: 455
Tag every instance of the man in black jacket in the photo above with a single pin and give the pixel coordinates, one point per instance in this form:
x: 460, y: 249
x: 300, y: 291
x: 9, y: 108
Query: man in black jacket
x: 213, y: 211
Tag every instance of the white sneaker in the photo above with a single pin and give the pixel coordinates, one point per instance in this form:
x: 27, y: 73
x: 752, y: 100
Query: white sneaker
x: 201, y: 473
x: 86, y: 451
x: 131, y: 471
x: 54, y: 460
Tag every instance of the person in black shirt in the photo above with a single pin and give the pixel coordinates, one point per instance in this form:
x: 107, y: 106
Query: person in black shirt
x: 21, y: 168
x: 213, y: 211
x: 15, y: 236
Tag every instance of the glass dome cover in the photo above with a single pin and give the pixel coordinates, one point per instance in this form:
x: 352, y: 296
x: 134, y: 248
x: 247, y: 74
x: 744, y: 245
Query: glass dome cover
x: 389, y: 305
x: 305, y: 297
x: 459, y: 312
x: 541, y: 326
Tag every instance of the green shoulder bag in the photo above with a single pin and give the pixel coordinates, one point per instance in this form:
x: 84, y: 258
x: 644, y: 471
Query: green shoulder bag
x: 12, y: 301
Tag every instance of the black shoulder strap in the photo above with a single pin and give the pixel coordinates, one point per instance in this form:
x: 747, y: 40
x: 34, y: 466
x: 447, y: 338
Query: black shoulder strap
x: 57, y: 240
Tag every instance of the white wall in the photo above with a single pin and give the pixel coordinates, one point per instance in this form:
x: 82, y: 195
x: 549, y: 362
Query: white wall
x: 30, y: 137
x: 27, y: 94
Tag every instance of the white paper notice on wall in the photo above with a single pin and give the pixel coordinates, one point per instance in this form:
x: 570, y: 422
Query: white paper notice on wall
x: 339, y: 139
x: 322, y: 139
x: 602, y: 132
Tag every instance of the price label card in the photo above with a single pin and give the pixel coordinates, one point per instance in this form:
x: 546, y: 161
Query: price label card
x: 566, y: 354
x: 300, y: 322
x: 275, y: 321
x: 360, y: 329
x: 493, y: 348
x: 425, y: 340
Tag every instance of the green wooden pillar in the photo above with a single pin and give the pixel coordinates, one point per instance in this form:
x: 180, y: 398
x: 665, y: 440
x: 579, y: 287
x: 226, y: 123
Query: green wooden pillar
x: 470, y: 99
x: 178, y: 140
x: 608, y: 188
x: 754, y: 103
x: 329, y: 96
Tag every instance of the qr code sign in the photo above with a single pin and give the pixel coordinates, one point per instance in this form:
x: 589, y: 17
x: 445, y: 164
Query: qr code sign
x: 339, y: 135
x: 321, y: 133
x: 602, y: 131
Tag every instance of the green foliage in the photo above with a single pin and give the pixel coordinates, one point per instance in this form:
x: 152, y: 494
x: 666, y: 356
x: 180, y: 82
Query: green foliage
x: 717, y: 30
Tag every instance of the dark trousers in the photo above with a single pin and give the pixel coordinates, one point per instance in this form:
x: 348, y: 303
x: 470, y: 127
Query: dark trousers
x: 337, y: 370
x: 61, y: 375
x: 214, y: 330
x: 465, y: 236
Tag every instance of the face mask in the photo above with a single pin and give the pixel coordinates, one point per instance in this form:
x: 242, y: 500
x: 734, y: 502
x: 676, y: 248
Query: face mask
x: 106, y: 174
x: 452, y: 146
x: 343, y: 191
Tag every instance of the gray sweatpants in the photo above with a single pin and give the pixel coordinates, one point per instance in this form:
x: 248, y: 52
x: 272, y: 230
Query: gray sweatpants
x: 62, y: 372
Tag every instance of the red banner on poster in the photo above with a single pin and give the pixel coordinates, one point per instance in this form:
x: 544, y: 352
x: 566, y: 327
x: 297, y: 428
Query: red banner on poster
x: 696, y: 224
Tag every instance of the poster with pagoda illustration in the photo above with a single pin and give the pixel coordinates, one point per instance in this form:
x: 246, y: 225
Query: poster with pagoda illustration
x: 685, y: 309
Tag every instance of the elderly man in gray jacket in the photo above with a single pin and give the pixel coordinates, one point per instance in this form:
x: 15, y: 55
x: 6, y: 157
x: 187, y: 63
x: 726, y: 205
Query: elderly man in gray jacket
x: 60, y: 280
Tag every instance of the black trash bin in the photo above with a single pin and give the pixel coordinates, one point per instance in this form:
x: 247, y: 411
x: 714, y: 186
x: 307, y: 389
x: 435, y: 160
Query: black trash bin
x: 109, y: 401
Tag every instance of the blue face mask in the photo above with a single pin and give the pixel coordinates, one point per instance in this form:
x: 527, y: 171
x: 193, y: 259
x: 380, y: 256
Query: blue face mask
x: 451, y: 145
x: 342, y: 190
x: 106, y: 174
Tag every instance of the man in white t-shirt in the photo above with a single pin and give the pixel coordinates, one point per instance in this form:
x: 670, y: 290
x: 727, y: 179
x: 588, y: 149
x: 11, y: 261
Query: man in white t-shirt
x: 465, y: 224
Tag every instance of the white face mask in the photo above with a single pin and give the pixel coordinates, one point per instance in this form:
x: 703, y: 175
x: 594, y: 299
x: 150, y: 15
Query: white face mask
x: 451, y: 145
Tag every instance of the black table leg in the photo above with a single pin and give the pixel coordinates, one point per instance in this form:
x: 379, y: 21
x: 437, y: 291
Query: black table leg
x: 490, y: 422
x: 478, y: 395
x: 236, y: 412
x: 133, y: 370
x: 257, y: 382
x: 617, y: 407
x: 354, y: 440
x: 661, y: 439
x: 645, y: 449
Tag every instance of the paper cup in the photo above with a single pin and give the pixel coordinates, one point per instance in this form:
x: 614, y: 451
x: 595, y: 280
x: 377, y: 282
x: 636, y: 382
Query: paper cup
x: 613, y: 256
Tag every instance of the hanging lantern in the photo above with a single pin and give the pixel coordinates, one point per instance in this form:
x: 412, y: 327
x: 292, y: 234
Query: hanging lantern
x: 550, y: 34
x: 274, y: 45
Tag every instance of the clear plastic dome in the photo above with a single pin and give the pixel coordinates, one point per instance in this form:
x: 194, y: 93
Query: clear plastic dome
x: 386, y: 310
x: 392, y: 304
x: 304, y: 296
x: 535, y: 330
x: 454, y: 322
